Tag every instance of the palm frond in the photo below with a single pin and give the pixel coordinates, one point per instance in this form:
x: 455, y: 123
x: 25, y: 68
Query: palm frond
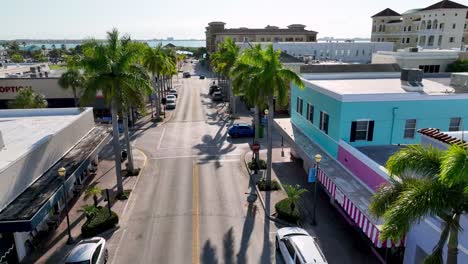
x: 421, y: 160
x: 454, y: 167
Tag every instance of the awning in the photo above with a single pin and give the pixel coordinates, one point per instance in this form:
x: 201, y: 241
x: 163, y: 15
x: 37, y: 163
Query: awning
x: 371, y: 230
x: 351, y: 194
x: 32, y: 205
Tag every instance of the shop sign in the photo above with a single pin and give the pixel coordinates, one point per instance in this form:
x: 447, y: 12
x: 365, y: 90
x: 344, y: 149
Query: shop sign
x: 12, y: 89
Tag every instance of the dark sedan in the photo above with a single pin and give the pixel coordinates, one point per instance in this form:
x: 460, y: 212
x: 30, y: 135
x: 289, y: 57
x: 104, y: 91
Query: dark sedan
x: 241, y: 130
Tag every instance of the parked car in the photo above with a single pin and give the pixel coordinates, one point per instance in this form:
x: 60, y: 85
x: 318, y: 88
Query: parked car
x: 91, y: 250
x: 171, y: 97
x: 217, y: 96
x: 186, y: 75
x: 297, y: 246
x: 214, y: 88
x: 173, y: 92
x: 241, y: 130
x: 171, y: 105
x: 202, y: 76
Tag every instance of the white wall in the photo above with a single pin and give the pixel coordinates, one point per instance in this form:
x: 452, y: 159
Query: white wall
x: 345, y: 51
x: 15, y: 178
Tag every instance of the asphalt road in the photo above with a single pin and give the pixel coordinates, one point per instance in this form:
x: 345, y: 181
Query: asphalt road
x: 193, y: 204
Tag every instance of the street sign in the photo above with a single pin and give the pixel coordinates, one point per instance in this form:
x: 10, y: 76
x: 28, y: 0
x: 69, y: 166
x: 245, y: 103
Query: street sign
x: 264, y: 121
x: 312, y: 175
x: 256, y: 147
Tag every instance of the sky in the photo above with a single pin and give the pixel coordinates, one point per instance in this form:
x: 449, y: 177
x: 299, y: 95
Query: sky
x: 184, y: 19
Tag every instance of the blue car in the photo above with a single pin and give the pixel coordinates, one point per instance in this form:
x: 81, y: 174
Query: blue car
x: 241, y: 130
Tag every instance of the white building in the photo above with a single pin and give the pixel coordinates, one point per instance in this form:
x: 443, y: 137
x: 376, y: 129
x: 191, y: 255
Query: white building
x: 430, y: 61
x: 352, y: 52
x: 35, y: 143
x: 442, y: 25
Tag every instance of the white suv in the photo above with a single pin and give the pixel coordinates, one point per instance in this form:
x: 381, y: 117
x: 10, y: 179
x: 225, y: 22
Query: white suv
x: 298, y: 247
x: 89, y: 251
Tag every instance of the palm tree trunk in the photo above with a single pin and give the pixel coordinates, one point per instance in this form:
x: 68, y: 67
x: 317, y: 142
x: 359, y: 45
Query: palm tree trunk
x: 257, y: 129
x: 270, y: 138
x: 75, y: 97
x: 130, y: 167
x: 95, y: 199
x: 116, y: 146
x: 158, y: 99
x: 452, y: 246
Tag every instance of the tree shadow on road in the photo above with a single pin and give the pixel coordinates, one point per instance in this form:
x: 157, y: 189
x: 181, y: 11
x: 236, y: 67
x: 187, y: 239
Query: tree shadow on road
x: 228, y: 245
x: 209, y: 255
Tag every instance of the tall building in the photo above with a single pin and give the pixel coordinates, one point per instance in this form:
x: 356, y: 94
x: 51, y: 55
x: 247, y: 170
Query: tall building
x: 442, y: 25
x: 216, y: 33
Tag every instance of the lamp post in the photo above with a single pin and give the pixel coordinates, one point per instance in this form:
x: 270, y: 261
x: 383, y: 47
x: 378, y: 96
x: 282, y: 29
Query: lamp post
x: 266, y: 112
x: 318, y: 158
x: 62, y: 172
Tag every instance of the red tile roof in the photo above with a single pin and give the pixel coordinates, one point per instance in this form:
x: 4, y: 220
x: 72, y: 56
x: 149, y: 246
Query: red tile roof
x: 442, y: 137
x: 386, y: 12
x: 445, y: 4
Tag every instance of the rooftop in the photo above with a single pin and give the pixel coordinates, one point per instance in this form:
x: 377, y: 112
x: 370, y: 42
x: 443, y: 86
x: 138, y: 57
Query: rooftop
x: 386, y: 12
x: 445, y: 4
x: 381, y: 87
x: 379, y: 154
x: 24, y: 129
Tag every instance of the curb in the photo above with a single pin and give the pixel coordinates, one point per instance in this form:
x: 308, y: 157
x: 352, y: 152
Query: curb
x: 259, y: 195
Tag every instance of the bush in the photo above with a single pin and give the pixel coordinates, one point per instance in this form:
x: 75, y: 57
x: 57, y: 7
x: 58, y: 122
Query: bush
x: 124, y: 195
x: 263, y: 185
x: 99, y: 222
x: 261, y: 165
x: 283, y: 210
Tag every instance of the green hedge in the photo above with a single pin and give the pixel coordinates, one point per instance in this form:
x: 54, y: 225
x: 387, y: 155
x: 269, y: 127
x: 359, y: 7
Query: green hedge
x: 261, y: 165
x: 283, y: 210
x: 100, y: 222
x: 264, y: 186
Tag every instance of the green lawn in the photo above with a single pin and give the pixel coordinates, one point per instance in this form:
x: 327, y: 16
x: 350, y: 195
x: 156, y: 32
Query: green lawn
x: 57, y: 66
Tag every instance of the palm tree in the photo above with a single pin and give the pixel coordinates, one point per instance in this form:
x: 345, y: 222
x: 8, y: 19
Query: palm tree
x: 157, y: 62
x: 27, y: 98
x: 294, y: 193
x: 223, y: 61
x: 110, y: 69
x: 261, y: 77
x: 72, y: 79
x: 93, y: 192
x: 425, y: 181
x: 88, y: 210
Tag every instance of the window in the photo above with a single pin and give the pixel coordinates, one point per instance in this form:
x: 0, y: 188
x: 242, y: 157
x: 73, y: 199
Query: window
x: 466, y: 25
x: 430, y: 41
x: 441, y: 26
x: 403, y: 40
x: 404, y: 29
x: 410, y: 128
x: 289, y: 247
x: 430, y: 68
x: 455, y: 124
x: 439, y: 41
x: 454, y: 25
x: 310, y: 113
x: 409, y: 28
x: 429, y: 24
x: 299, y: 105
x: 324, y: 122
x: 96, y: 255
x: 362, y: 130
x: 451, y: 39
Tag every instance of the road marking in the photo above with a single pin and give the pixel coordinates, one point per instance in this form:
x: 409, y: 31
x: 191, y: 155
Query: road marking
x: 196, y: 156
x: 195, y: 217
x: 161, y: 138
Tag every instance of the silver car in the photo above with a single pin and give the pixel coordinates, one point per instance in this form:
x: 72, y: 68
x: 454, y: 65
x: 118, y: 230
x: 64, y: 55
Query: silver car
x: 298, y: 247
x: 89, y: 251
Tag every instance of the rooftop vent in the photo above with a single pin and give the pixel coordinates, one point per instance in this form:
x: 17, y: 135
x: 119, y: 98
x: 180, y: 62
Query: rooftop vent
x: 411, y: 80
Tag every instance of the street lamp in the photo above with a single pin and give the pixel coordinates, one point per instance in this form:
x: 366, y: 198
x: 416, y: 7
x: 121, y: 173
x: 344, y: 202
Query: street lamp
x: 318, y: 158
x: 266, y: 117
x: 62, y: 172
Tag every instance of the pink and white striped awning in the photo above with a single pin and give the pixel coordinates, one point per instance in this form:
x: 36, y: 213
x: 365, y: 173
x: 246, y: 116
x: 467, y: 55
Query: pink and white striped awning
x: 354, y: 213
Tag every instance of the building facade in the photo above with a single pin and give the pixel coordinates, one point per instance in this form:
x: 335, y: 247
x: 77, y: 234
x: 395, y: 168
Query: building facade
x: 442, y: 25
x: 35, y: 144
x: 356, y: 122
x: 353, y: 52
x: 216, y: 33
x: 429, y: 61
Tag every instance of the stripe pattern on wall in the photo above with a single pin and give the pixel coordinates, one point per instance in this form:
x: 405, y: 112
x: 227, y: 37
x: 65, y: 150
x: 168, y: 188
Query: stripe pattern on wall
x: 359, y: 218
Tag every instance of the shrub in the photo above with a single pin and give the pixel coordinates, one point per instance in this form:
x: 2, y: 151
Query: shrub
x: 283, y: 210
x: 263, y: 185
x: 99, y: 222
x: 124, y: 195
x: 261, y: 165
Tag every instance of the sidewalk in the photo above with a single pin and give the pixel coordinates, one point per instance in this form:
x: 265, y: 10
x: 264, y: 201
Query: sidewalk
x: 340, y: 242
x: 54, y: 248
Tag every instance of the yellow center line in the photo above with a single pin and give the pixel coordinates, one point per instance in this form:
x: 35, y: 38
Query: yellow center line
x: 195, y: 216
